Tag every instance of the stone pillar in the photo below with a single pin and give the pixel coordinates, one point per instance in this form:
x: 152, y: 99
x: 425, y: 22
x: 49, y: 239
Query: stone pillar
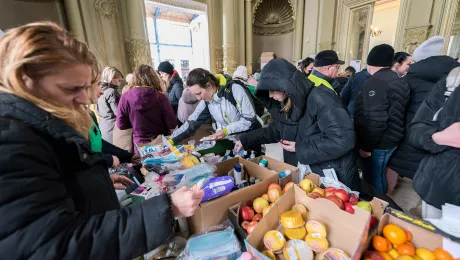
x: 248, y: 17
x: 72, y: 9
x: 299, y: 15
x: 311, y: 15
x: 136, y: 38
x: 229, y: 46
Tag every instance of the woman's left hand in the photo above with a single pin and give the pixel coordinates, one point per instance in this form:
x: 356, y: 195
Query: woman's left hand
x: 218, y: 135
x: 136, y: 158
x: 288, y: 146
x: 120, y: 182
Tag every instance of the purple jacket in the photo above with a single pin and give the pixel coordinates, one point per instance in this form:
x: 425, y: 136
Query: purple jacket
x: 147, y: 112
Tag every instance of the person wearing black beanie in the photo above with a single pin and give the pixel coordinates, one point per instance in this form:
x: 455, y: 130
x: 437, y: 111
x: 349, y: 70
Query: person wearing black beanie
x: 379, y: 115
x: 173, y: 82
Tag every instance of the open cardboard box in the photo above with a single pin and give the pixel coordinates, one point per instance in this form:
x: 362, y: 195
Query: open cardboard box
x: 279, y: 166
x: 214, y: 212
x: 345, y: 231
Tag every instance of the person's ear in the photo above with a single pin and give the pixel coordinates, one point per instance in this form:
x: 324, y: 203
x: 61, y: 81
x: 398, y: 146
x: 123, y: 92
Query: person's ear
x: 28, y: 82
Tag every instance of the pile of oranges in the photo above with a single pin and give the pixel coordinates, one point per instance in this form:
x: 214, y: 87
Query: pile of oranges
x: 395, y: 244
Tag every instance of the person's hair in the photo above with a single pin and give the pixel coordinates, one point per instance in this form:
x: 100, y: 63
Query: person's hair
x: 201, y: 77
x: 351, y: 70
x: 305, y: 62
x: 109, y: 73
x: 37, y: 50
x: 146, y: 77
x: 400, y: 57
x: 286, y: 105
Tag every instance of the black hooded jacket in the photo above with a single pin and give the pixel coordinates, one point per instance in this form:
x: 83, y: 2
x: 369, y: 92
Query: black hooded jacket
x: 438, y: 175
x: 421, y: 78
x: 318, y: 123
x: 57, y: 199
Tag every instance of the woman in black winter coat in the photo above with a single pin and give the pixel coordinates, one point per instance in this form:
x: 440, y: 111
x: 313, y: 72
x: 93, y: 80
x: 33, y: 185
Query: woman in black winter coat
x: 421, y: 78
x: 307, y: 117
x: 436, y: 130
x: 57, y: 200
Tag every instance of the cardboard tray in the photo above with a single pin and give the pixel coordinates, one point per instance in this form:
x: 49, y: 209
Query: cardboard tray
x: 214, y: 212
x: 345, y: 231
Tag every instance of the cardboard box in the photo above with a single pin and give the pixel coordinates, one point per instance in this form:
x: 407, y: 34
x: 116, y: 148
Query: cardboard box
x: 279, y: 166
x: 214, y: 212
x: 344, y: 231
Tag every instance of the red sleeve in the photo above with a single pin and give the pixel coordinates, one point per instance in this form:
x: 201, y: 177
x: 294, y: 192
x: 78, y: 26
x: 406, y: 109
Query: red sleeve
x: 167, y: 112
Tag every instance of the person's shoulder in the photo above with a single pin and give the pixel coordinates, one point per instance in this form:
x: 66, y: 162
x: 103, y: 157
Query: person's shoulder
x: 14, y: 132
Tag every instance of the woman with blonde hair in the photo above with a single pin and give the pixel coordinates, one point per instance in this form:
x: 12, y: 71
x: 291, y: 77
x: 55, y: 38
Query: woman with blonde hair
x: 144, y: 109
x: 57, y: 200
x: 107, y: 104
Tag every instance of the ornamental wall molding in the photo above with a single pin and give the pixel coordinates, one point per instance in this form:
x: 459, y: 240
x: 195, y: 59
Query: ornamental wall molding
x: 219, y: 54
x: 274, y: 17
x: 106, y: 8
x: 138, y: 52
x: 415, y: 36
x: 326, y: 46
x: 229, y: 58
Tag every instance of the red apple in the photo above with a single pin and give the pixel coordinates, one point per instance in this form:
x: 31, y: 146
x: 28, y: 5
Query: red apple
x: 329, y: 189
x: 315, y: 195
x: 348, y: 208
x: 373, y: 223
x: 245, y: 224
x: 252, y: 225
x: 247, y: 213
x: 336, y: 200
x: 257, y: 217
x: 342, y: 194
x: 373, y: 255
x: 354, y: 199
x: 249, y: 203
x: 287, y: 186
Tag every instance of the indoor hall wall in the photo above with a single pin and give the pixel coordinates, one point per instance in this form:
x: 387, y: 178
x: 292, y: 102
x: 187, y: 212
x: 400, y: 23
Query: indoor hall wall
x: 14, y: 13
x: 281, y: 45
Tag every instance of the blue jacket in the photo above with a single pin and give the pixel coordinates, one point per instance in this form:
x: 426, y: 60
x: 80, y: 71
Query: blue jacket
x: 352, y: 89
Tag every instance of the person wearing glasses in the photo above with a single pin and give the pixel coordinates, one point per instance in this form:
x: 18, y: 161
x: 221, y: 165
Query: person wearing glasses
x: 379, y: 115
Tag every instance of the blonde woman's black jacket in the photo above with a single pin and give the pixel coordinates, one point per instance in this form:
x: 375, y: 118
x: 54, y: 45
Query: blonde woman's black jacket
x: 57, y: 200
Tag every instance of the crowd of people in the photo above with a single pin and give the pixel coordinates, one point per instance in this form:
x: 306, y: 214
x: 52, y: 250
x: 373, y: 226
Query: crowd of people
x: 399, y: 117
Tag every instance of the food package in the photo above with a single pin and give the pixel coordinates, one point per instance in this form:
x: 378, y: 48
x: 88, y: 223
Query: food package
x: 217, y: 187
x: 218, y: 242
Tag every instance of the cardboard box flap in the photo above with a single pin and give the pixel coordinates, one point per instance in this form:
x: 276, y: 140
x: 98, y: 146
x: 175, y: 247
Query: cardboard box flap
x: 279, y: 166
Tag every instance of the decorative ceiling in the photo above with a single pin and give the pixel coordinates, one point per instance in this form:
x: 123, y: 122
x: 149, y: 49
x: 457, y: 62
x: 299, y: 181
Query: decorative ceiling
x: 273, y: 17
x: 169, y: 14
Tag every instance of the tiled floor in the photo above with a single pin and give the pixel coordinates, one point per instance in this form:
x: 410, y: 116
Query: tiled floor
x: 404, y: 195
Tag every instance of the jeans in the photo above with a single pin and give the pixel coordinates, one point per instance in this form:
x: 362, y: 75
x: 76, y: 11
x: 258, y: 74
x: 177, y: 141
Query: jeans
x: 374, y: 168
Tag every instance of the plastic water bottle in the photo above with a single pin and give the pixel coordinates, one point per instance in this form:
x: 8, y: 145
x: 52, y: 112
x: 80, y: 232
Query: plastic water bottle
x: 237, y: 173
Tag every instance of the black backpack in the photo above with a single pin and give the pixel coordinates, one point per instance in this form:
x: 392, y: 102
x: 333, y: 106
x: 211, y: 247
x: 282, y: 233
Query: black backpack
x: 258, y: 106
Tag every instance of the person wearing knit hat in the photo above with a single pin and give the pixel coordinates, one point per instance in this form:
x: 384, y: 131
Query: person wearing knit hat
x: 173, y: 82
x: 241, y: 74
x: 379, y: 115
x: 423, y: 77
x: 431, y: 47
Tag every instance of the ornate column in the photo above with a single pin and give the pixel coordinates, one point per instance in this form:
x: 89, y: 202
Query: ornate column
x: 248, y: 18
x: 299, y: 29
x: 229, y: 46
x: 136, y: 38
x: 72, y: 9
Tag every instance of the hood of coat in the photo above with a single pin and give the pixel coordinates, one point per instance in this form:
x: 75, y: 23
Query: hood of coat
x: 433, y: 69
x: 19, y: 109
x: 280, y: 75
x: 188, y: 97
x: 106, y: 86
x: 142, y: 99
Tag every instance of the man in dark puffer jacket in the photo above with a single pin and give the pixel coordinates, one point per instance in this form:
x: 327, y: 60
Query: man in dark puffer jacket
x: 421, y: 78
x: 379, y: 118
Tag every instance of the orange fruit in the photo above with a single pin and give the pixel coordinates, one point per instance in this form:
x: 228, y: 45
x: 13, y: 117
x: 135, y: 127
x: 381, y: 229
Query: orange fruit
x: 381, y: 244
x: 441, y: 254
x: 404, y: 257
x: 395, y: 234
x: 394, y: 253
x: 409, y: 235
x: 424, y: 254
x: 406, y: 249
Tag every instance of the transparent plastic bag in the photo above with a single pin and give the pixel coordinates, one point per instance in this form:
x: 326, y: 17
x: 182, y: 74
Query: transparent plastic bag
x: 196, y: 174
x: 328, y: 182
x: 215, y: 242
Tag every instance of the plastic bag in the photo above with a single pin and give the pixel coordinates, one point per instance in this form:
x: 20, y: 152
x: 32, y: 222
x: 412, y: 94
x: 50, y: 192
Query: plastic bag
x: 195, y: 174
x: 217, y: 187
x: 327, y: 182
x: 215, y: 242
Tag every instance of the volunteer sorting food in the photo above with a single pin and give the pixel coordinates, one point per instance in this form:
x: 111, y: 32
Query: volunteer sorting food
x: 57, y: 200
x: 229, y: 104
